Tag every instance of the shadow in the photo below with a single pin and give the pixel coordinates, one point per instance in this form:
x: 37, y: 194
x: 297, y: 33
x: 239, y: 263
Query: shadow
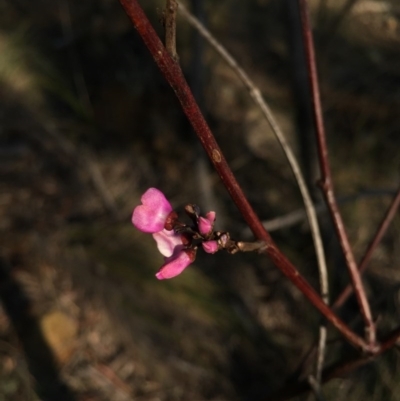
x: 39, y: 358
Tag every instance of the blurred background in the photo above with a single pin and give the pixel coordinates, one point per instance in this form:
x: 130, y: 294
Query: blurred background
x: 87, y: 124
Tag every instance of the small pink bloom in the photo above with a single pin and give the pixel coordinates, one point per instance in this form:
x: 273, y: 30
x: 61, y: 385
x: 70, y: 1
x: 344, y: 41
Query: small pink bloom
x: 206, y: 224
x: 156, y: 216
x: 151, y: 216
x: 211, y: 216
x: 167, y: 242
x: 176, y: 264
x: 210, y: 246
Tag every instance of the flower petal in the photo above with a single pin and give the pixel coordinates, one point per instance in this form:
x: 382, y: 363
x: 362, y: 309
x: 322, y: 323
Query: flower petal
x: 174, y: 265
x: 150, y: 217
x: 210, y: 216
x: 210, y: 246
x: 205, y: 226
x: 167, y: 242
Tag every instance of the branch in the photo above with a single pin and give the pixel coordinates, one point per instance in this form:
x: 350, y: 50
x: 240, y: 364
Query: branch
x: 326, y: 179
x: 298, y: 216
x: 339, y: 369
x: 173, y: 74
x: 393, y: 338
x: 391, y: 212
x: 170, y: 28
x: 257, y: 97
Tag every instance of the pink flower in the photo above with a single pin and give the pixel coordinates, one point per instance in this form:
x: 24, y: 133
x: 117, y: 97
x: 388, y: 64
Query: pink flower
x: 210, y: 246
x: 168, y: 242
x: 150, y: 217
x: 177, y: 258
x: 156, y: 216
x: 206, y: 224
x: 177, y: 263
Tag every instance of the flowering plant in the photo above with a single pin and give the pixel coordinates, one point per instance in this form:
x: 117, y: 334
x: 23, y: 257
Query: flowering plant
x: 178, y: 242
x: 168, y: 62
x: 175, y: 240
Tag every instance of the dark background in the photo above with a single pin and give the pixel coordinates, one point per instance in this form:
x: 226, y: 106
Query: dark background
x: 87, y: 124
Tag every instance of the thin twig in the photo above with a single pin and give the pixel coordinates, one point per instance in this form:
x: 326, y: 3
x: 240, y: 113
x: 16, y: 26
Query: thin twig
x: 319, y: 365
x: 257, y: 97
x: 326, y: 179
x: 339, y: 369
x: 316, y: 387
x: 173, y: 74
x: 298, y: 216
x: 389, y: 215
x: 170, y: 28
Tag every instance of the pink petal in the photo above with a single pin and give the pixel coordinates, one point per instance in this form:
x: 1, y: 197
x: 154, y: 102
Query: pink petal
x: 210, y: 246
x: 206, y: 224
x: 167, y: 241
x: 151, y: 215
x: 210, y: 216
x: 174, y: 265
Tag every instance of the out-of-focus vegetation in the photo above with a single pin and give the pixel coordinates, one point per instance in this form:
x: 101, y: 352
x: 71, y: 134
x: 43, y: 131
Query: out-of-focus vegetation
x: 87, y: 124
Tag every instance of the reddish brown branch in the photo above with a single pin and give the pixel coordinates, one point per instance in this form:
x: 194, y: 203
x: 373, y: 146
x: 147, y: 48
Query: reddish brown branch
x: 326, y: 178
x: 173, y: 74
x: 340, y: 369
x: 391, y: 212
x: 394, y: 337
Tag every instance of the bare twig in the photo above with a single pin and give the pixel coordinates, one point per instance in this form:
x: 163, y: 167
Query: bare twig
x: 173, y: 74
x: 319, y: 365
x: 348, y: 290
x: 326, y: 179
x: 299, y: 215
x: 170, y: 28
x: 338, y: 369
x: 391, y: 212
x: 257, y: 97
x: 316, y: 387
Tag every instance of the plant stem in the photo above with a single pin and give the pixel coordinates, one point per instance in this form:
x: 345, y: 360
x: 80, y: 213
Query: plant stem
x: 326, y: 179
x: 389, y: 215
x: 339, y: 369
x: 173, y: 74
x: 170, y: 28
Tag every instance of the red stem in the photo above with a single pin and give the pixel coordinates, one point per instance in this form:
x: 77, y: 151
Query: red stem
x: 340, y: 369
x: 343, y: 368
x: 391, y: 212
x: 173, y: 74
x: 326, y: 179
